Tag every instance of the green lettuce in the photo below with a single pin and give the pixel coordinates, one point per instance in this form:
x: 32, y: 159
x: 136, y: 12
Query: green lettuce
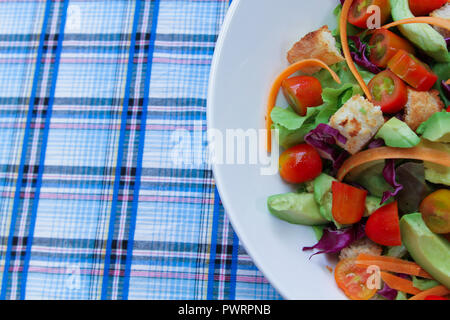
x: 442, y: 70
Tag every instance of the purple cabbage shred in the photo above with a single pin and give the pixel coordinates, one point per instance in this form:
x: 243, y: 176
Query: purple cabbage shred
x: 377, y: 143
x: 360, y: 57
x: 446, y: 89
x: 387, y: 292
x: 390, y: 177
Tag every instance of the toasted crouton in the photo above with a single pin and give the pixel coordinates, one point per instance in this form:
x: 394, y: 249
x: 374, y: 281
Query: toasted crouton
x: 421, y: 106
x: 319, y: 44
x: 365, y: 245
x: 444, y: 13
x: 358, y: 120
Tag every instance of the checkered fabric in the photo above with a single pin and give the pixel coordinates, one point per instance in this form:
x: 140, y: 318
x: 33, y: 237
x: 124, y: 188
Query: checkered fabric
x: 97, y: 100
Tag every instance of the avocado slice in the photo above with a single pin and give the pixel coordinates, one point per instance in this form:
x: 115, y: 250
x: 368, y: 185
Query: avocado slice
x: 398, y: 134
x: 436, y: 128
x: 429, y: 250
x: 421, y: 34
x: 296, y: 208
x: 436, y: 173
x: 323, y: 195
x: 372, y: 205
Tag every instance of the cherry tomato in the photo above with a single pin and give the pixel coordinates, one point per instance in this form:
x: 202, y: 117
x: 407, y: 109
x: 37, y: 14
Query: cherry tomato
x: 384, y: 44
x: 435, y: 211
x: 435, y: 298
x: 383, y: 226
x: 348, y: 203
x: 424, y: 7
x: 353, y: 280
x: 388, y: 91
x: 359, y: 14
x: 414, y: 72
x: 302, y: 92
x: 300, y: 164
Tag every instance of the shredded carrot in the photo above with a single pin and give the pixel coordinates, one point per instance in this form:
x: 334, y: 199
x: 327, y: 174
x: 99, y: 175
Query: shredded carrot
x: 329, y: 269
x: 399, y: 284
x: 346, y: 49
x: 298, y: 66
x: 392, y: 265
x: 435, y: 291
x: 439, y: 22
x: 416, y: 153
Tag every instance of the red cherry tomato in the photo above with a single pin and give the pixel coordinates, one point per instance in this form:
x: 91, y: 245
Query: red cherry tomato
x: 414, y: 72
x: 348, y: 203
x: 352, y: 279
x: 300, y: 164
x: 359, y: 13
x: 435, y: 298
x: 424, y: 7
x: 384, y: 45
x: 302, y: 92
x: 383, y: 226
x: 388, y: 91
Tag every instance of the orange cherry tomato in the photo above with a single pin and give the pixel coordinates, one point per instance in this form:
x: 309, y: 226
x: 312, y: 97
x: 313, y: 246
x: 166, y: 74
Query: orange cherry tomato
x: 435, y: 210
x: 300, y: 164
x: 359, y: 13
x: 348, y: 203
x: 424, y: 7
x: 352, y: 279
x: 384, y: 44
x: 302, y: 92
x: 383, y: 226
x: 414, y: 72
x: 388, y: 91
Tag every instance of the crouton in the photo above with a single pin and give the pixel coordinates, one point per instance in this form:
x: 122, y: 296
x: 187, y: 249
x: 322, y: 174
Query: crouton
x: 421, y: 106
x: 319, y: 44
x: 359, y: 121
x: 365, y: 245
x: 444, y: 13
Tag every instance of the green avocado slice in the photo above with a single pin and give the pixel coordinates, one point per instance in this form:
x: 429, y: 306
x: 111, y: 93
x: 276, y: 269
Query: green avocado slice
x: 429, y: 250
x: 398, y: 134
x: 436, y: 128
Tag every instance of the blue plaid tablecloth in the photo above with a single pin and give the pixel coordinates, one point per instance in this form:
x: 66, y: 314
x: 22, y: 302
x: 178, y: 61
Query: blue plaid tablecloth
x: 95, y: 96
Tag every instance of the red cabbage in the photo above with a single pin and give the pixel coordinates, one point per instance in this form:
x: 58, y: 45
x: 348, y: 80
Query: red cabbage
x: 390, y: 177
x: 446, y: 89
x: 334, y: 240
x: 377, y: 143
x: 387, y: 292
x: 360, y: 57
x: 446, y: 40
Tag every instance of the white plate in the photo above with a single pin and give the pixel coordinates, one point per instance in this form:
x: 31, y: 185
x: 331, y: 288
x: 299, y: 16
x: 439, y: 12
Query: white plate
x: 251, y: 51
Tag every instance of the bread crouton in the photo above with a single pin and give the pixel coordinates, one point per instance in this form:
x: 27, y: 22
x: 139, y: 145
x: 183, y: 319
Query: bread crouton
x: 421, y: 106
x: 319, y: 44
x: 444, y: 13
x: 365, y: 245
x: 359, y: 121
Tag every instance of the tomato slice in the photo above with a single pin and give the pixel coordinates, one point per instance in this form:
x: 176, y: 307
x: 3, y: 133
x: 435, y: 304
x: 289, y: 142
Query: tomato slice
x: 348, y: 203
x: 383, y: 226
x: 388, y: 91
x: 300, y: 164
x: 352, y: 279
x: 424, y: 7
x: 302, y: 92
x: 359, y: 14
x: 384, y: 44
x: 414, y: 72
x: 435, y: 298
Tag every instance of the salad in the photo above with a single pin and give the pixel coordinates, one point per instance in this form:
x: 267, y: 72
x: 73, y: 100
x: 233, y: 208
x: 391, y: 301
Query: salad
x: 366, y: 146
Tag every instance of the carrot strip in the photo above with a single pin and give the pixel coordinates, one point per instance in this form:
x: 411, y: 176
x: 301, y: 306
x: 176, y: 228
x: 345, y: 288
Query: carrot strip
x: 346, y: 49
x: 298, y: 66
x: 398, y: 283
x: 392, y: 265
x: 440, y: 22
x: 435, y: 291
x: 416, y: 153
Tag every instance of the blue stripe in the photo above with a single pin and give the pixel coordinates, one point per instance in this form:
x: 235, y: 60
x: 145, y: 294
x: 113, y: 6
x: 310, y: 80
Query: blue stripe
x: 123, y: 126
x: 234, y: 260
x: 140, y: 155
x: 19, y: 181
x: 43, y: 151
x: 212, y: 253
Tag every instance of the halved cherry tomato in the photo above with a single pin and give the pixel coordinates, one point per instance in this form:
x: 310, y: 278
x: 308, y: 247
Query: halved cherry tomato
x: 414, y: 72
x: 383, y: 226
x: 424, y: 7
x: 302, y: 92
x: 384, y: 44
x: 300, y: 164
x: 388, y: 91
x: 435, y: 298
x: 359, y: 14
x: 349, y: 203
x: 353, y: 280
x: 435, y: 209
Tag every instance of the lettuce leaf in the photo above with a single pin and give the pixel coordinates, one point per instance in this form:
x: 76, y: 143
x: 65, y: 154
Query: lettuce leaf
x: 442, y: 70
